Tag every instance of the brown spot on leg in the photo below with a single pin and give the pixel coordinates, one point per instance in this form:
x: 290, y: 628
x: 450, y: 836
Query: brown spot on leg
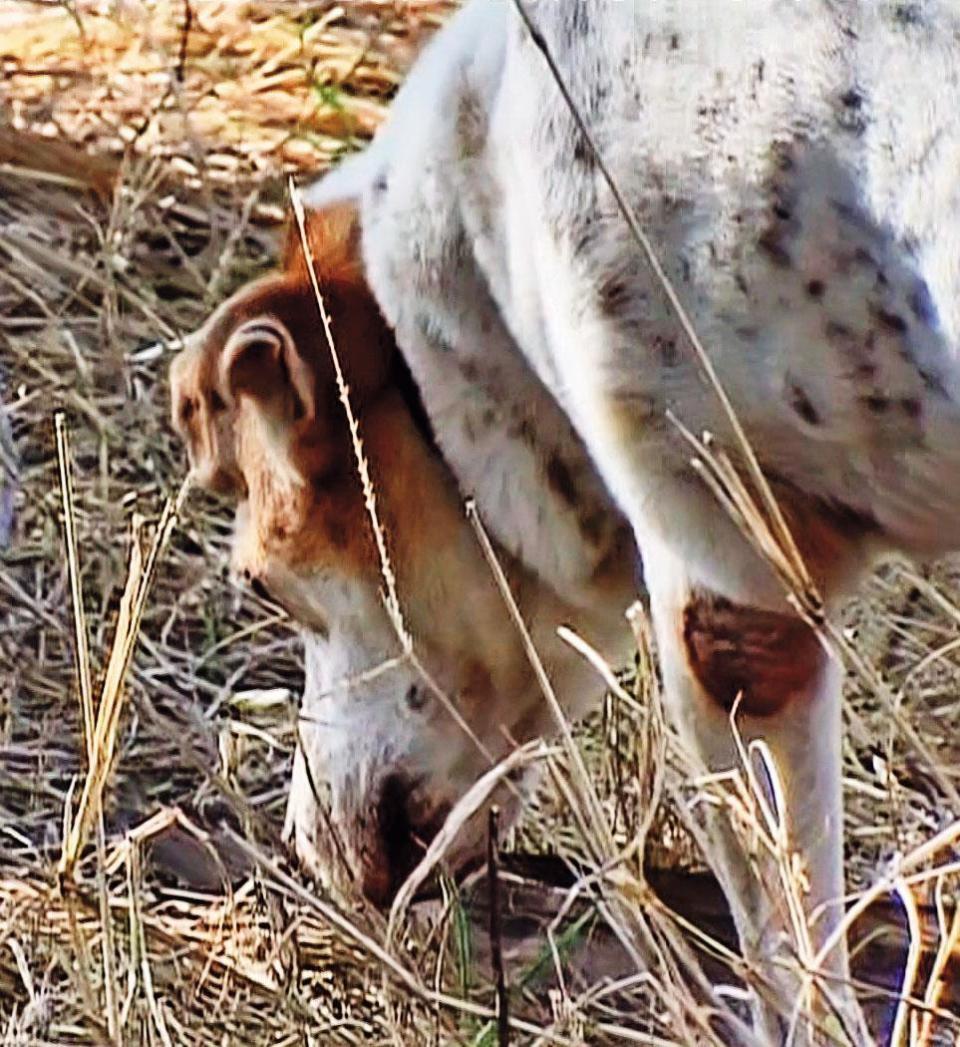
x: 732, y: 650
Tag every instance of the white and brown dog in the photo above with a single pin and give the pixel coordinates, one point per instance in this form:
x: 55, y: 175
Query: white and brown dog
x: 795, y: 167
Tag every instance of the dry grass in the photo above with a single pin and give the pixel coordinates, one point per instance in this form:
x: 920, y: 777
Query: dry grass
x: 202, y: 117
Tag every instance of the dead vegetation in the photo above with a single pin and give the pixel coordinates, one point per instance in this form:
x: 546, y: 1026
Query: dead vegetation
x: 142, y: 149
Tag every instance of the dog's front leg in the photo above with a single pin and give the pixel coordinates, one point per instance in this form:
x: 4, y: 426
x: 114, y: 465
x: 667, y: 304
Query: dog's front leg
x: 776, y: 844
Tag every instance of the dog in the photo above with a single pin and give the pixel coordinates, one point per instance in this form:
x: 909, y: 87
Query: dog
x: 793, y: 167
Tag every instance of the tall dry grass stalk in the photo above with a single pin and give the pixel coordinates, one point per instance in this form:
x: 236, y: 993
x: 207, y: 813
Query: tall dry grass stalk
x: 101, y: 732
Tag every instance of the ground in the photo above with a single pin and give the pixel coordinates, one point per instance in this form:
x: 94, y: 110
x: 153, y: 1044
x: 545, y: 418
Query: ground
x: 143, y: 152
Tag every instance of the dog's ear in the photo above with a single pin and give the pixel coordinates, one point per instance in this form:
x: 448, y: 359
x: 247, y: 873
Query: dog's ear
x: 261, y: 360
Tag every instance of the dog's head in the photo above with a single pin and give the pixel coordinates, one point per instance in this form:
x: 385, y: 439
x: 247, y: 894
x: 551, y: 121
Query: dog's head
x: 256, y: 400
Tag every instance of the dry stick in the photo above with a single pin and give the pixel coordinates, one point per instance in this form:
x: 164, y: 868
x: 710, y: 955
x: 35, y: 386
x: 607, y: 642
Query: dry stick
x: 597, y: 817
x: 616, y: 689
x: 64, y: 462
x: 899, y: 1037
x: 926, y: 875
x: 73, y: 569
x: 496, y: 938
x: 139, y: 940
x: 180, y: 71
x: 636, y: 620
x: 111, y: 994
x: 682, y: 955
x: 949, y: 946
x: 132, y: 605
x: 604, y: 846
x: 23, y: 968
x: 391, y: 600
x: 463, y: 810
x: 107, y: 715
x: 79, y: 944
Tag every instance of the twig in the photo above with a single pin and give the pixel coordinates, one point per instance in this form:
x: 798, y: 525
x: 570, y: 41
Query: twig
x: 904, y: 1020
x: 138, y: 941
x: 936, y: 983
x: 496, y: 938
x: 597, y: 817
x: 463, y: 810
x: 133, y: 602
x: 391, y: 597
x: 392, y: 600
x: 76, y: 593
x: 184, y: 39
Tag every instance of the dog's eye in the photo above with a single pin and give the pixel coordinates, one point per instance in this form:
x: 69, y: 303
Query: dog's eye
x: 217, y: 404
x: 187, y: 410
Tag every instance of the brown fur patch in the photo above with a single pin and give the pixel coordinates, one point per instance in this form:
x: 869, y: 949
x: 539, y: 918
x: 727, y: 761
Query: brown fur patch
x: 198, y: 418
x: 766, y: 657
x: 307, y: 524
